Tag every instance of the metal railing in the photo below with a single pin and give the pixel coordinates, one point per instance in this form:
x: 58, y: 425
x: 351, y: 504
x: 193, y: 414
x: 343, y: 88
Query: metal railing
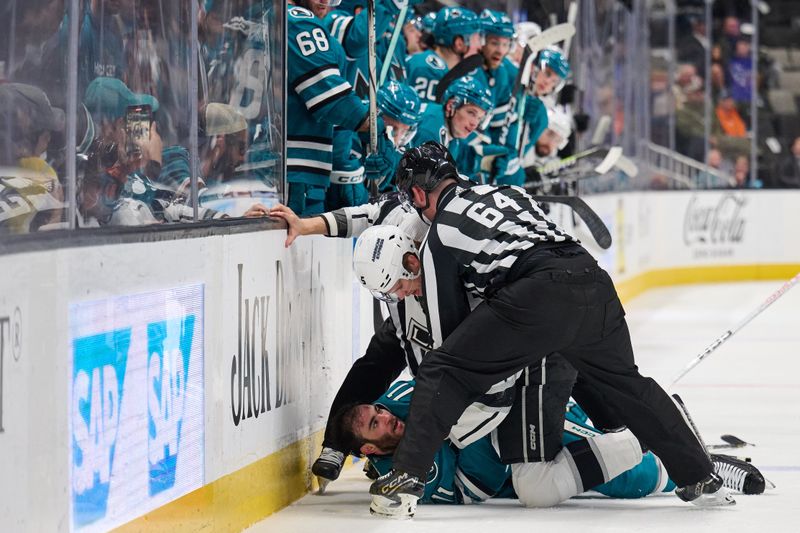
x: 683, y: 172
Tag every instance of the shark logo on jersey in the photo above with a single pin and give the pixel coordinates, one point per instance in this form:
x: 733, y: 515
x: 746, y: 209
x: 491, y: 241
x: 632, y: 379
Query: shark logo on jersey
x: 361, y: 86
x: 433, y: 473
x: 436, y: 62
x: 300, y: 12
x: 97, y: 383
x: 169, y: 345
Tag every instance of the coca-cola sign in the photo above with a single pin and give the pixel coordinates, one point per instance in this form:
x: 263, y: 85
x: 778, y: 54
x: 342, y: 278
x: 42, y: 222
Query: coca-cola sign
x: 714, y: 220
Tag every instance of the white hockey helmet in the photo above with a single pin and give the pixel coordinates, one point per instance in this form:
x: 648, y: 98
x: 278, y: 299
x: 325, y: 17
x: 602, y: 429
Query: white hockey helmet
x: 378, y: 259
x: 561, y: 123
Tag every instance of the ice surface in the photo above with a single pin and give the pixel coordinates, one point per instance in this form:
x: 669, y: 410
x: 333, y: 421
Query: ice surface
x: 748, y: 387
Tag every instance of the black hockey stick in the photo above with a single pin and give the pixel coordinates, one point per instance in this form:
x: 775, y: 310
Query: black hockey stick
x: 731, y: 442
x: 592, y: 220
x: 464, y: 67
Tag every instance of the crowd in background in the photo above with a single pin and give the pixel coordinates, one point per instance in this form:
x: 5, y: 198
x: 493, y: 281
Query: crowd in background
x: 135, y: 92
x: 731, y: 82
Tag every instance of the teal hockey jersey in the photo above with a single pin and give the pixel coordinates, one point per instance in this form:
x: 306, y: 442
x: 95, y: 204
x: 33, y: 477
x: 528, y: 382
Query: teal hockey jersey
x: 423, y: 72
x: 475, y: 473
x: 318, y: 99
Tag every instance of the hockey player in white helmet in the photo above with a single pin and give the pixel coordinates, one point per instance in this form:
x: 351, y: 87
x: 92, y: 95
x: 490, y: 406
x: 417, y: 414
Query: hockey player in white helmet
x: 403, y: 339
x: 554, y: 138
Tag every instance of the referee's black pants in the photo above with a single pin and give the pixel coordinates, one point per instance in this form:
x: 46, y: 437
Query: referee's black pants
x: 559, y: 300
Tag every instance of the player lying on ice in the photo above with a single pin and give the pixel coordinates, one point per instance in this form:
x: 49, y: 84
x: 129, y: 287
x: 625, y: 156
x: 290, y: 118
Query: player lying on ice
x: 580, y: 456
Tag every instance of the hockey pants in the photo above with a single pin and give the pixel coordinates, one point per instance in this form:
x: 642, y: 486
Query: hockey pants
x: 561, y: 302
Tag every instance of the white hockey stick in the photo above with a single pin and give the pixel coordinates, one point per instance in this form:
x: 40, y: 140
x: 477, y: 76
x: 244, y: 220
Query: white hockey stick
x: 398, y: 28
x: 572, y: 16
x: 609, y: 161
x: 728, y: 334
x: 550, y: 36
x: 627, y: 166
x: 373, y: 105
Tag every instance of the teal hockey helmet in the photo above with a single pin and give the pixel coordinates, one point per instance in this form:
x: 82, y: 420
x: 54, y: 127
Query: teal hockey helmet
x: 469, y: 90
x: 427, y: 22
x: 553, y: 57
x: 452, y: 22
x: 400, y: 102
x: 496, y: 23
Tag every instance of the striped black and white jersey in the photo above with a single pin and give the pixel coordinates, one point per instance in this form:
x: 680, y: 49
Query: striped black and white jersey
x: 352, y: 221
x: 408, y: 316
x: 476, y: 237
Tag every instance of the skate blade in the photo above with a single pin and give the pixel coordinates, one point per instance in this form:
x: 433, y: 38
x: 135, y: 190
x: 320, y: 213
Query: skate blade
x: 388, y: 508
x: 323, y: 484
x: 714, y: 500
x: 769, y: 484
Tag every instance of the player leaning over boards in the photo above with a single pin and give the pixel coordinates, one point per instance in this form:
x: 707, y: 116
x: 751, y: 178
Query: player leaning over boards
x: 541, y: 293
x: 318, y: 99
x: 500, y: 74
x: 454, y: 30
x: 466, y: 102
x: 402, y: 339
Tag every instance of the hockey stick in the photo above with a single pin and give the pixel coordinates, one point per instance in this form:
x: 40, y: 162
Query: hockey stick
x: 373, y: 106
x: 572, y: 16
x: 398, y: 28
x: 464, y: 67
x: 731, y: 442
x: 556, y: 166
x: 592, y: 220
x: 550, y: 36
x: 728, y: 334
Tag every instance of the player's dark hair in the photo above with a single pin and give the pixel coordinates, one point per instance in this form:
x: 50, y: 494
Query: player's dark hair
x: 342, y: 432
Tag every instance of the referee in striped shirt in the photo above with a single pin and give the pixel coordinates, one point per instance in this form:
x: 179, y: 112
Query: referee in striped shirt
x: 541, y: 293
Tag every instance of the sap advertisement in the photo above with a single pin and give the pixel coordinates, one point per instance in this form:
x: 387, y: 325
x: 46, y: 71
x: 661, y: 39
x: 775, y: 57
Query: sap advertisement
x: 135, y: 405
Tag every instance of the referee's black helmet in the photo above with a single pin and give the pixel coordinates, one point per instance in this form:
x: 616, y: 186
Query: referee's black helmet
x: 426, y: 166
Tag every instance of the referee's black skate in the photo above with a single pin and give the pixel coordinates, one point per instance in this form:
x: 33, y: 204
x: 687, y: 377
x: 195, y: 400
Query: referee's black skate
x: 708, y: 492
x: 395, y: 495
x: 327, y: 467
x: 738, y: 475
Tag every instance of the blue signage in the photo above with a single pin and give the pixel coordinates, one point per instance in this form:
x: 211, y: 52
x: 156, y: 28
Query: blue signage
x: 136, y: 404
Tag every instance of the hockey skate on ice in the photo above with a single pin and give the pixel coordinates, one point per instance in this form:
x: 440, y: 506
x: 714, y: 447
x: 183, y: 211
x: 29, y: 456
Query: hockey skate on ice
x: 327, y: 467
x: 708, y: 492
x: 395, y: 495
x: 738, y: 475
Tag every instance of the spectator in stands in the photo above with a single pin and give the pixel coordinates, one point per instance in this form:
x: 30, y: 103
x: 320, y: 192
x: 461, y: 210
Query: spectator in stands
x: 101, y: 51
x: 692, y: 47
x: 741, y: 172
x: 740, y: 72
x: 718, y: 162
x: 40, y: 31
x: 108, y: 99
x: 729, y: 118
x: 730, y: 34
x: 31, y: 196
x: 223, y: 142
x: 788, y: 174
x: 717, y: 78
